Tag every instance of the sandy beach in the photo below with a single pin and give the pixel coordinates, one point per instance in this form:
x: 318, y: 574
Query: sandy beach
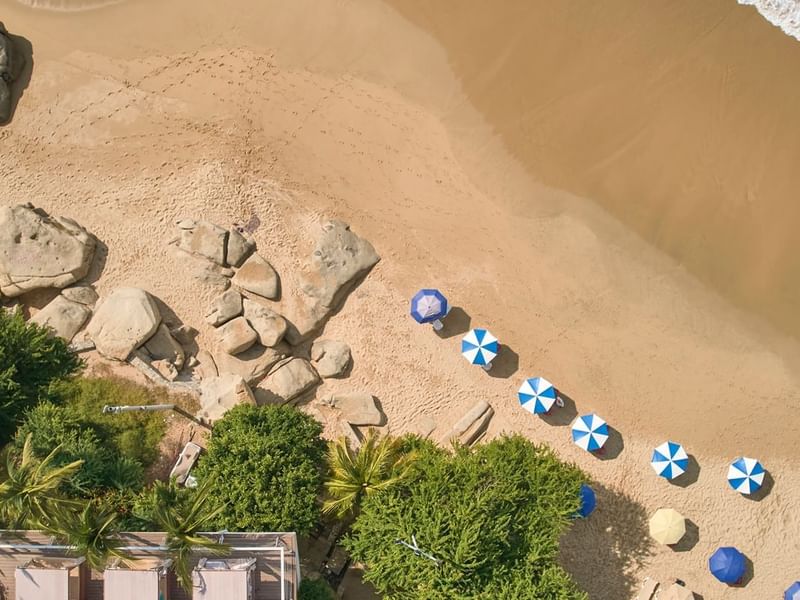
x: 609, y: 189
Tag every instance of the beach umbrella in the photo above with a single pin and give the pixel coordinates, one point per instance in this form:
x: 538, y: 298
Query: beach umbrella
x: 676, y: 592
x: 588, y: 501
x: 667, y: 526
x: 746, y: 475
x: 669, y: 460
x: 590, y: 432
x: 480, y: 347
x: 727, y: 564
x: 429, y: 306
x: 793, y: 592
x: 537, y: 395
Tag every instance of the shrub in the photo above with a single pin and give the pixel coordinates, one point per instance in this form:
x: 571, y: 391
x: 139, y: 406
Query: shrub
x: 490, y: 517
x: 315, y: 589
x: 30, y: 360
x: 265, y: 463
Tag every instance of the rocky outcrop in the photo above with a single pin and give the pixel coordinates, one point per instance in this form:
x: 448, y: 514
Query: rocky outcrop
x: 239, y: 248
x: 257, y: 276
x: 203, y: 239
x: 288, y: 381
x: 11, y: 63
x: 268, y: 324
x: 357, y: 408
x: 64, y: 317
x: 251, y: 364
x: 39, y: 251
x: 220, y: 394
x: 331, y: 358
x: 123, y: 322
x: 339, y: 260
x: 163, y: 347
x: 224, y: 308
x: 236, y: 336
x: 206, y: 365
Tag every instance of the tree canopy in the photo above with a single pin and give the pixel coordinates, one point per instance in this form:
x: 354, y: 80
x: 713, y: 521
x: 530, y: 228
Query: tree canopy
x: 265, y: 462
x: 489, y: 518
x: 31, y: 359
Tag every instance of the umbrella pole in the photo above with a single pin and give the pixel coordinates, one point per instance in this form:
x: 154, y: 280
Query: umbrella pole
x: 486, y: 367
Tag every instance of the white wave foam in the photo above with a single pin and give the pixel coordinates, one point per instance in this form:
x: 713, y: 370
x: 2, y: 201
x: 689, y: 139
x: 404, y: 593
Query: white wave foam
x: 69, y: 5
x: 781, y: 13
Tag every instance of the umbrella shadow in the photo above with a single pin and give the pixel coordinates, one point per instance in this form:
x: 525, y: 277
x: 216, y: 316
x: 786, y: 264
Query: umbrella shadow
x: 689, y: 476
x: 765, y: 489
x: 749, y: 572
x: 613, y: 446
x: 23, y: 49
x: 456, y: 322
x: 617, y: 533
x: 505, y: 364
x: 561, y: 415
x: 690, y: 538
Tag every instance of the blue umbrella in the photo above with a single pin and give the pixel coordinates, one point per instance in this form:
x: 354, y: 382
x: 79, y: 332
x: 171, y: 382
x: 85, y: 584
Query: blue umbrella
x: 480, y: 347
x: 588, y: 501
x: 590, y: 432
x: 428, y: 306
x: 793, y: 593
x: 669, y: 460
x: 746, y: 475
x: 537, y: 395
x: 727, y: 564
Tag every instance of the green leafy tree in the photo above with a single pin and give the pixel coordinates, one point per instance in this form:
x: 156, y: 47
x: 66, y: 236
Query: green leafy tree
x: 31, y: 490
x: 181, y: 514
x: 92, y: 532
x: 265, y: 463
x: 377, y: 465
x: 315, y: 589
x: 486, y: 521
x: 31, y: 359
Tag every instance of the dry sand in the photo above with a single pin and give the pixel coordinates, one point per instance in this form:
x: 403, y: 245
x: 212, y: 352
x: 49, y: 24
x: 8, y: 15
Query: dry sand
x: 140, y: 113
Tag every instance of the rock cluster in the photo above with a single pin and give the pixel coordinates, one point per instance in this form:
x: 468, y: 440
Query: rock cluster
x: 67, y: 312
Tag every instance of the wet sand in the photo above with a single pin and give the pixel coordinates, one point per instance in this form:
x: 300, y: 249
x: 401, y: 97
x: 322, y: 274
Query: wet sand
x: 347, y: 109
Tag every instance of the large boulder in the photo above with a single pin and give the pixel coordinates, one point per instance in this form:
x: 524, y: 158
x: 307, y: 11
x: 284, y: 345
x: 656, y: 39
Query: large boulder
x: 256, y: 275
x: 251, y: 364
x: 339, y: 260
x: 331, y: 358
x: 236, y: 336
x: 268, y: 324
x: 203, y: 239
x: 11, y: 63
x: 357, y: 408
x: 224, y: 307
x: 64, y: 317
x: 219, y: 394
x: 163, y: 346
x: 288, y: 381
x: 123, y: 322
x: 239, y: 248
x: 39, y: 251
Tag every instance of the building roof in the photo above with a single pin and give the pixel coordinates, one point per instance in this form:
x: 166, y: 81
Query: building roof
x: 277, y: 562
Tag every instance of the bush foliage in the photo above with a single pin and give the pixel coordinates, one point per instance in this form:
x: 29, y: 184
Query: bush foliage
x: 315, y: 589
x: 265, y: 464
x: 491, y: 517
x: 30, y: 361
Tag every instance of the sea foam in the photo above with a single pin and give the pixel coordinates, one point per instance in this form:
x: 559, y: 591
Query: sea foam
x: 781, y: 13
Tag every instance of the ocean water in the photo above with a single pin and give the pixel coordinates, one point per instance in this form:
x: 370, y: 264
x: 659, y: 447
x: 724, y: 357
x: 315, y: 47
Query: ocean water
x: 781, y: 13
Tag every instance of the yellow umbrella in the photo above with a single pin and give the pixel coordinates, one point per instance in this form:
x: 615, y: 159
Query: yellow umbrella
x: 667, y: 526
x: 676, y: 592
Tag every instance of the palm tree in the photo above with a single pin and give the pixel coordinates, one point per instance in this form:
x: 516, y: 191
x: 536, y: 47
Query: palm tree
x: 181, y: 514
x: 378, y: 465
x: 31, y: 492
x: 92, y: 533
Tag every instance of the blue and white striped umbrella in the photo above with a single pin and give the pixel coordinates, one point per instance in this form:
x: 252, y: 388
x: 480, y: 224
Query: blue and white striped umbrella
x: 669, y: 460
x: 428, y: 305
x: 746, y: 475
x: 537, y: 395
x: 479, y: 347
x: 590, y: 432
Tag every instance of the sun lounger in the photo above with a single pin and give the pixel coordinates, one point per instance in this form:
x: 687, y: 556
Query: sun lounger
x: 648, y: 589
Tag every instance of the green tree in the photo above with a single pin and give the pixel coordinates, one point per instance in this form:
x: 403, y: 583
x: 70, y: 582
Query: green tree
x: 31, y: 359
x: 377, y: 465
x: 92, y: 532
x: 31, y: 490
x: 315, y: 589
x: 487, y: 522
x: 181, y: 514
x: 265, y: 463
